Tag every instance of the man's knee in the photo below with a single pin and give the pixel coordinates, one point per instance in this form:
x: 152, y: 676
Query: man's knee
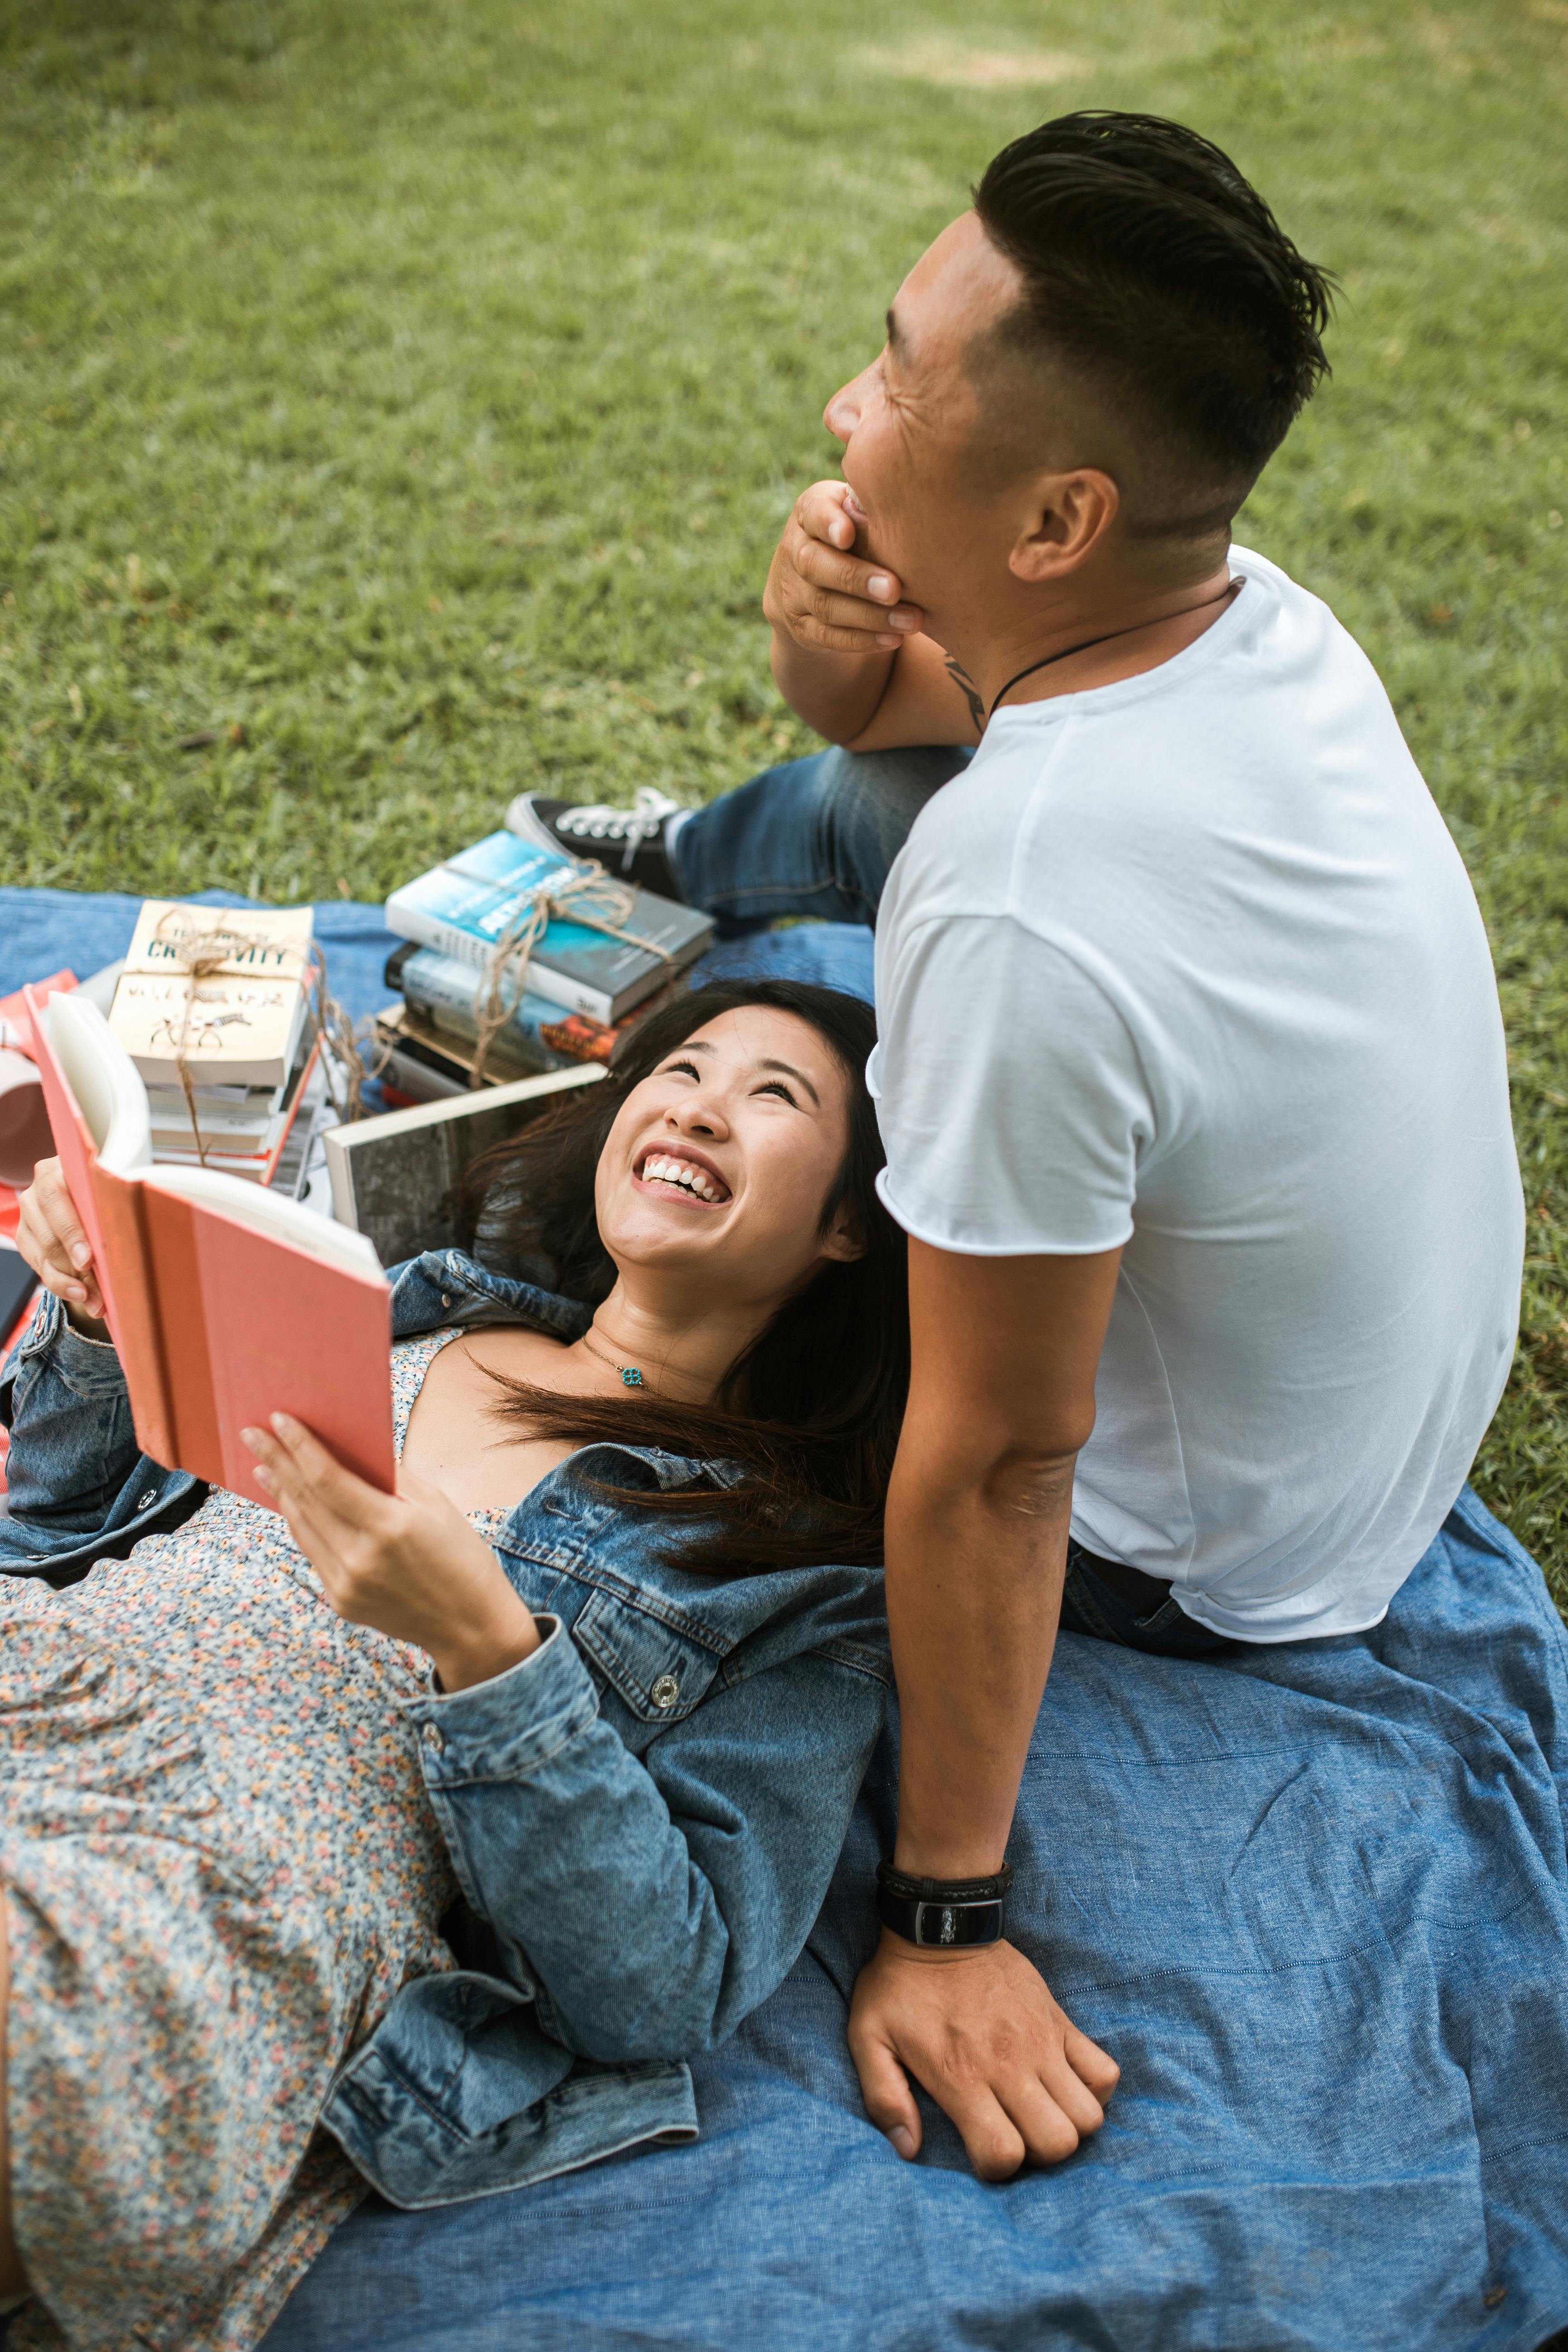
x: 866, y: 803
x: 905, y: 778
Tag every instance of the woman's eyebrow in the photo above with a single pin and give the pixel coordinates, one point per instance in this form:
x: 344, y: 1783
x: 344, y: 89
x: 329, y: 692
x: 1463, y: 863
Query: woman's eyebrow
x: 799, y: 1075
x: 701, y: 1046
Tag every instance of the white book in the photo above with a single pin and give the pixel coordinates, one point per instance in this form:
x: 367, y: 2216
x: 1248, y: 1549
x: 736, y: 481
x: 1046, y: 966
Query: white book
x: 239, y: 1024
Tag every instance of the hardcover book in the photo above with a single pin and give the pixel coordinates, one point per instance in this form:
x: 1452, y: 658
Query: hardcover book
x: 465, y: 906
x: 393, y: 1178
x: 537, y: 1034
x: 412, y: 1067
x: 240, y: 1024
x: 225, y: 1303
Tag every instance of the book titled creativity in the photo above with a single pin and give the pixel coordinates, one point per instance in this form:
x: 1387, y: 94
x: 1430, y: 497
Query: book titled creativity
x: 238, y: 1022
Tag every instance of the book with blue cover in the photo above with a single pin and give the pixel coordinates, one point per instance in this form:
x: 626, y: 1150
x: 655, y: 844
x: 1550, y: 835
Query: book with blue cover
x: 464, y: 906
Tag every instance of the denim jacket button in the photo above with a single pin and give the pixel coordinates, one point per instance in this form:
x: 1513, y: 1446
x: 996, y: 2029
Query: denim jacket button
x: 145, y: 1502
x: 435, y: 1739
x: 446, y: 1299
x: 665, y: 1691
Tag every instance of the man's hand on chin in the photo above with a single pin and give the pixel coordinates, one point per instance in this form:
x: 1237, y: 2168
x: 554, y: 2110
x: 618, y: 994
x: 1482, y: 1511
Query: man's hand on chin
x: 979, y: 2031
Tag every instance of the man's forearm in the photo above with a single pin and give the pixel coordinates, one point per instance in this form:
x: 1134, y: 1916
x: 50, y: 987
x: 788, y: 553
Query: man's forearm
x: 974, y: 1583
x: 836, y: 694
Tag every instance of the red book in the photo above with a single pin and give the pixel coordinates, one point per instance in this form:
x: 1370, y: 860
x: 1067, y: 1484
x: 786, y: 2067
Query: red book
x: 223, y: 1302
x: 15, y: 1029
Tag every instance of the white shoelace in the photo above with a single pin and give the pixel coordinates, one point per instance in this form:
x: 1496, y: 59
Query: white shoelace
x: 641, y: 822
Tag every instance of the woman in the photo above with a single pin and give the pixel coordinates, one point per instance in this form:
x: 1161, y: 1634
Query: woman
x: 584, y: 1706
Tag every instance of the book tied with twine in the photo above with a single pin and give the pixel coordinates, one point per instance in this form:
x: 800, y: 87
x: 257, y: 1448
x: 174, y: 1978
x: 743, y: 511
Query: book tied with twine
x: 208, y: 997
x: 593, y: 945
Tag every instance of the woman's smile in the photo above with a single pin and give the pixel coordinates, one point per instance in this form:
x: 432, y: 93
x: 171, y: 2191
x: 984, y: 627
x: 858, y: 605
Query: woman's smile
x: 688, y: 1176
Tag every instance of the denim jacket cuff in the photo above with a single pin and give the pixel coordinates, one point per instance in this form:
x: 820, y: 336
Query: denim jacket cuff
x: 508, y: 1727
x: 87, y: 1367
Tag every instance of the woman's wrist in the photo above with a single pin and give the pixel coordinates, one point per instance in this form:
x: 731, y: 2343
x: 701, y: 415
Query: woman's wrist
x: 478, y: 1654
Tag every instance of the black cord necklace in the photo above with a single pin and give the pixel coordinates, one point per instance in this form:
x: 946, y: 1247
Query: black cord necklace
x: 1067, y: 651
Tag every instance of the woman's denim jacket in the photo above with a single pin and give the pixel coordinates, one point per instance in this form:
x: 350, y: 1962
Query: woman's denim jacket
x: 643, y: 1815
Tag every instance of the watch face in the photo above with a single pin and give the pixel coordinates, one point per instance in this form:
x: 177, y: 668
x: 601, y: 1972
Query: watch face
x: 974, y: 1921
x: 937, y: 1923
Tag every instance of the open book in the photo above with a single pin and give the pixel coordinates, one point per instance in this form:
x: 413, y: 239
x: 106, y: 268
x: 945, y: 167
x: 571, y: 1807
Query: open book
x: 225, y: 1303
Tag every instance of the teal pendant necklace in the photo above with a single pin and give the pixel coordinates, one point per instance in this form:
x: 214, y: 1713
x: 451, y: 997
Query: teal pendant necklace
x: 630, y: 1376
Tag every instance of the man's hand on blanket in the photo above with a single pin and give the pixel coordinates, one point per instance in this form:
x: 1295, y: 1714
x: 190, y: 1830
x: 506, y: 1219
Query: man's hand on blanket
x: 50, y: 1237
x: 981, y: 2032
x: 409, y: 1563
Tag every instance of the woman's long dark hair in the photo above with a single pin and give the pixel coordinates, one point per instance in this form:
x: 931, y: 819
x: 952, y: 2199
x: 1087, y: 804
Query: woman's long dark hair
x: 811, y: 1411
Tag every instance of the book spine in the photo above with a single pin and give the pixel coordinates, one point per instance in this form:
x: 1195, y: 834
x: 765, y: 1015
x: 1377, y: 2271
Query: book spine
x: 171, y: 1230
x: 340, y: 1177
x: 414, y: 922
x: 446, y: 995
x: 276, y: 1154
x: 128, y: 1283
x: 571, y: 995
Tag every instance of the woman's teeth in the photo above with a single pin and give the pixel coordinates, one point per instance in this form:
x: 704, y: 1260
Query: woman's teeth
x: 657, y: 1171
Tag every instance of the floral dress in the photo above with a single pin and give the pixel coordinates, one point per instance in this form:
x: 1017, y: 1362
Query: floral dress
x: 219, y: 1865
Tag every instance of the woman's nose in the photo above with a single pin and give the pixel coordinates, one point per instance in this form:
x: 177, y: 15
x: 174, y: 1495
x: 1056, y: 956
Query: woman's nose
x: 698, y: 1114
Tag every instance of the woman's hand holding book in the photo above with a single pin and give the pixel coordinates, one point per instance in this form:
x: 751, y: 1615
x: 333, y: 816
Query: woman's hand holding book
x: 50, y: 1237
x: 409, y: 1564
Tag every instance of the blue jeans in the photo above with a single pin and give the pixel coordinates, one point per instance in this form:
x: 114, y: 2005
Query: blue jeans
x: 813, y: 837
x: 1162, y: 1630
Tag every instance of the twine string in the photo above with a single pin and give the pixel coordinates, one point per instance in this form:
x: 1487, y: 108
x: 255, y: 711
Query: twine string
x: 342, y: 1041
x: 588, y: 894
x: 201, y: 952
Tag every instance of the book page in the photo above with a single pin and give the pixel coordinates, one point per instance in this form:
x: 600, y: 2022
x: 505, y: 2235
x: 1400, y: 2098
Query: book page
x: 109, y: 1097
x: 76, y: 1052
x: 280, y: 1220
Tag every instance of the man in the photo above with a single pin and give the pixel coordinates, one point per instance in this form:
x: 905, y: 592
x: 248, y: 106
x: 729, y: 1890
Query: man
x: 1190, y: 1076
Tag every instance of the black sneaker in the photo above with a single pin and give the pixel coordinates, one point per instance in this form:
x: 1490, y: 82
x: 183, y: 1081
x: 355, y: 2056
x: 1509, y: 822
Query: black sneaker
x: 629, y: 842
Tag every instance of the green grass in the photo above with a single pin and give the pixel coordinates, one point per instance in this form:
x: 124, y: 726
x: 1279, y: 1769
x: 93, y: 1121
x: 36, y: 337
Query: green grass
x: 412, y: 394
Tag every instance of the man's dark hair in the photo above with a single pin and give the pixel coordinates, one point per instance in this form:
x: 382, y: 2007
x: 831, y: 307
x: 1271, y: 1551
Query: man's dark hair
x: 1155, y: 271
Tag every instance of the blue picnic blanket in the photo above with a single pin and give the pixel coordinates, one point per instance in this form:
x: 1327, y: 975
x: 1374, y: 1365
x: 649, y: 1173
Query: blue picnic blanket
x: 1313, y: 1897
x: 43, y: 931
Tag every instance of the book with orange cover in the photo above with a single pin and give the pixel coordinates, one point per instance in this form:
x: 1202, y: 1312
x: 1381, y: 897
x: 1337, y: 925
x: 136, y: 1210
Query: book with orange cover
x: 15, y: 1029
x: 225, y: 1303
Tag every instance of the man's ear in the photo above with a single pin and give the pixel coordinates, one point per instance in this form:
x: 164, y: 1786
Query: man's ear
x: 843, y: 1242
x: 1070, y: 515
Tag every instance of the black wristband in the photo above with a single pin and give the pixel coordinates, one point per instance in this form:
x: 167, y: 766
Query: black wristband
x: 944, y: 1912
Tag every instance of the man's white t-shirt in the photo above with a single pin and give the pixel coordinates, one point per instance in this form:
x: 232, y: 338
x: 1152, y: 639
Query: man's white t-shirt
x: 1190, y: 966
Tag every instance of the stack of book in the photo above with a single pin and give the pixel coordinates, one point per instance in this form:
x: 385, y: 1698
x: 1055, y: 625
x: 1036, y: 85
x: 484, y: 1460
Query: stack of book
x: 583, y: 987
x: 240, y: 1030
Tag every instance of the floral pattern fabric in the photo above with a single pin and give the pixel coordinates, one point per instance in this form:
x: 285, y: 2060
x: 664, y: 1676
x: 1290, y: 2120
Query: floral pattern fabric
x: 219, y: 1865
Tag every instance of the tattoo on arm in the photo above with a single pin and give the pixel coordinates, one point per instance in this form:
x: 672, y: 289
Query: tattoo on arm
x: 966, y: 686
